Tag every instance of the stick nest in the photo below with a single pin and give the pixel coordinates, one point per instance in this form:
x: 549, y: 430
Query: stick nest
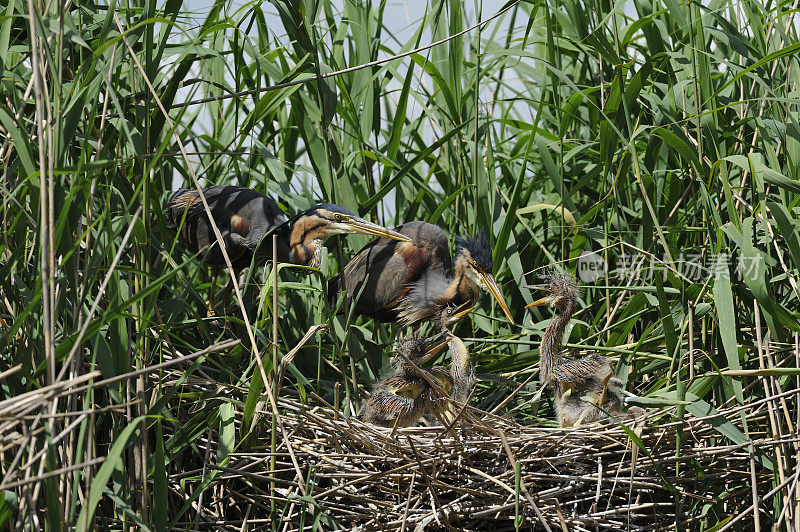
x: 488, y: 471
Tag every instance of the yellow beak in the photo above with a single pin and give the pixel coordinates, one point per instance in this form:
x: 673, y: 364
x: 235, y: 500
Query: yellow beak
x: 435, y: 348
x: 538, y: 302
x: 464, y: 309
x: 495, y: 291
x: 359, y: 225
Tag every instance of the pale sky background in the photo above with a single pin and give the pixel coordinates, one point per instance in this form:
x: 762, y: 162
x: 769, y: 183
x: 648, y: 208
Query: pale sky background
x: 401, y: 18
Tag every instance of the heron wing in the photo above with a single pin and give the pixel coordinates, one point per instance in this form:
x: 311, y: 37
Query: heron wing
x: 385, y: 270
x: 376, y: 276
x: 379, y: 273
x: 235, y: 210
x: 582, y: 369
x: 433, y: 239
x: 392, y: 398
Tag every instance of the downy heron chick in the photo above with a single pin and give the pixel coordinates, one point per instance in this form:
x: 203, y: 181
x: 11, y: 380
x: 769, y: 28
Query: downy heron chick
x: 554, y: 366
x: 412, y: 392
x: 580, y: 384
x: 592, y: 401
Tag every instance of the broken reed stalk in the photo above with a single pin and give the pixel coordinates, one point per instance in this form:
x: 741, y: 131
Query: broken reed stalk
x: 273, y: 374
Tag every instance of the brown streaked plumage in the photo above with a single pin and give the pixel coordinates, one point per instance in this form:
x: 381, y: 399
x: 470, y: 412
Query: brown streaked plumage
x: 580, y: 385
x: 403, y: 399
x: 410, y: 282
x: 408, y: 395
x: 554, y: 366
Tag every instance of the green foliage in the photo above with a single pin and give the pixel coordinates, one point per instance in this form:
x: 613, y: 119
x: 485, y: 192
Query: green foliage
x: 660, y: 135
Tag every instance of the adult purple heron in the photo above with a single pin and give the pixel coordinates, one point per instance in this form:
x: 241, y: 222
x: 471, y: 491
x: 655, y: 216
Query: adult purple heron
x: 410, y: 282
x: 409, y: 394
x: 580, y: 385
x: 245, y: 216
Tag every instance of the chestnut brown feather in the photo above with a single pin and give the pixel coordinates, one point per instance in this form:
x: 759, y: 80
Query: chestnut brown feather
x: 411, y: 283
x: 246, y: 216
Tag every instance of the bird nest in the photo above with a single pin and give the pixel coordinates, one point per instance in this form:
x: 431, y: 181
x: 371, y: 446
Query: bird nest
x: 487, y: 471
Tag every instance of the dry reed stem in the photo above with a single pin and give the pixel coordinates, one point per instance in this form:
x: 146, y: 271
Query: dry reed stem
x: 412, y: 478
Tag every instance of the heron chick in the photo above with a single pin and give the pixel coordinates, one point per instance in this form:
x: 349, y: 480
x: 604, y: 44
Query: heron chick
x: 580, y: 385
x: 593, y: 401
x: 411, y: 392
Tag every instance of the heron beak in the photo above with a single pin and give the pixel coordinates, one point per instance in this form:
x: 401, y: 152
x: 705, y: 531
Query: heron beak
x: 542, y: 301
x: 462, y: 312
x: 359, y: 225
x: 538, y: 302
x: 537, y: 287
x: 435, y: 348
x: 495, y: 291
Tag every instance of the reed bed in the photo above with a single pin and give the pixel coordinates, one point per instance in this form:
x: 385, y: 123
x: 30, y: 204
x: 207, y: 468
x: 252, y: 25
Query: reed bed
x: 480, y: 471
x: 655, y: 141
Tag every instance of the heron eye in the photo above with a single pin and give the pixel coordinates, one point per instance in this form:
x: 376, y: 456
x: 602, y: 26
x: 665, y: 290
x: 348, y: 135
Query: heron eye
x: 338, y: 217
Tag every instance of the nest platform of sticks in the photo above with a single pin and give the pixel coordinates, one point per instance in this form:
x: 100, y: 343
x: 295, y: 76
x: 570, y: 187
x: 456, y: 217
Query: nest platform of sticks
x: 492, y: 472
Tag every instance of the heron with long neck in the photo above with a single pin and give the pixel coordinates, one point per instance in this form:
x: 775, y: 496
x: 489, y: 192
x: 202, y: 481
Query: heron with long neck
x: 582, y: 385
x: 244, y: 217
x: 411, y: 282
x: 554, y: 366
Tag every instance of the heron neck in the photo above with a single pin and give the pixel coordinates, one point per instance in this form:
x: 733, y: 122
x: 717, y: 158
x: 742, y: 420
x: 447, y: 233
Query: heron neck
x: 306, y: 252
x: 462, y: 288
x: 550, y: 350
x: 305, y: 240
x: 460, y: 369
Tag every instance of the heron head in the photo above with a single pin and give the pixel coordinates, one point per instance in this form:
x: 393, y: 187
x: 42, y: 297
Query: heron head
x: 562, y: 290
x: 422, y: 349
x: 411, y: 346
x: 475, y: 258
x: 328, y: 219
x: 452, y: 314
